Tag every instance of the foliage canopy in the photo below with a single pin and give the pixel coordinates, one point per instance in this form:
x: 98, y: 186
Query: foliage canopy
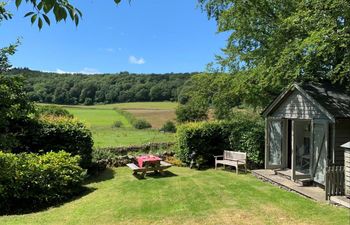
x: 275, y: 43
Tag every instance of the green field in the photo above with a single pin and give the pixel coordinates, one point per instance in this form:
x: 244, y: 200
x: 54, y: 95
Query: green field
x: 130, y: 105
x: 184, y: 196
x: 100, y: 118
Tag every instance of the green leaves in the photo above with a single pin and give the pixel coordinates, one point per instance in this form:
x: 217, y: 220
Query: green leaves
x: 18, y: 3
x: 47, y: 20
x: 60, y: 9
x: 40, y: 23
x: 48, y: 6
x: 275, y: 43
x: 28, y: 14
x: 42, y: 8
x: 33, y: 18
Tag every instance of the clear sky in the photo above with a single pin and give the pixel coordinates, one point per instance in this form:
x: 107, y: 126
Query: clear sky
x: 146, y: 36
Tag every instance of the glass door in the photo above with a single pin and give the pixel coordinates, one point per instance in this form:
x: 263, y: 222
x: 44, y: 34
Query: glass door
x: 302, y: 146
x: 274, y: 145
x: 320, y: 149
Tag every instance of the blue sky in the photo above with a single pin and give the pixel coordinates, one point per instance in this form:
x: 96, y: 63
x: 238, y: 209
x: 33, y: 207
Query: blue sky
x: 147, y: 36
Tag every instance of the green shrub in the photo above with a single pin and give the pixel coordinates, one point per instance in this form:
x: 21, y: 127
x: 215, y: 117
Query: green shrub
x: 55, y: 134
x: 243, y: 133
x: 169, y: 126
x: 88, y: 101
x: 141, y: 124
x: 30, y: 180
x: 190, y: 113
x: 51, y: 110
x: 117, y: 124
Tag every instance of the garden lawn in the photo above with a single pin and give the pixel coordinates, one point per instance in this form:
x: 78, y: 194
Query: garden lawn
x: 100, y: 121
x: 186, y: 197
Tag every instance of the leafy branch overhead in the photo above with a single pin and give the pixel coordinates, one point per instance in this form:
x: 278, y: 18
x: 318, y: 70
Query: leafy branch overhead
x: 61, y: 10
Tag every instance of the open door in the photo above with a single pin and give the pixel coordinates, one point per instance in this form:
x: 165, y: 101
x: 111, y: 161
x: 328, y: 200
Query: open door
x: 320, y: 149
x: 274, y: 144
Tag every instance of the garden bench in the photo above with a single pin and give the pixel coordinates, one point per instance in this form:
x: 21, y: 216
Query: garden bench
x: 148, y: 167
x: 232, y: 158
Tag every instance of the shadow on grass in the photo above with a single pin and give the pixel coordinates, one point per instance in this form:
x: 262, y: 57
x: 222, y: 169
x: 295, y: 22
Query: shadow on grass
x: 155, y: 175
x: 107, y: 174
x: 21, y: 207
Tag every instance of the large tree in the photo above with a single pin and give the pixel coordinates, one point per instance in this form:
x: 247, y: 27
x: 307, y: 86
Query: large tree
x: 60, y: 9
x: 273, y: 43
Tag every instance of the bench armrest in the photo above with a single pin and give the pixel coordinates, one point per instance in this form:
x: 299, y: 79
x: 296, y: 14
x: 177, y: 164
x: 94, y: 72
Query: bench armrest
x: 218, y: 156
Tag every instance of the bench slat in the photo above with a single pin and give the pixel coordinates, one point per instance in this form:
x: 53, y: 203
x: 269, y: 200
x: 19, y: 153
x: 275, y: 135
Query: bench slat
x: 133, y: 166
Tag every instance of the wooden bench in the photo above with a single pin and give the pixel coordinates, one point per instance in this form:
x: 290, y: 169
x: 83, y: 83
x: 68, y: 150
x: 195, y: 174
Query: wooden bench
x: 148, y: 167
x: 232, y: 158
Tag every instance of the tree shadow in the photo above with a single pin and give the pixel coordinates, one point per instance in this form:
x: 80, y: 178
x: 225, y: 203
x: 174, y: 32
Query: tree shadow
x: 155, y: 175
x: 21, y: 207
x: 106, y: 174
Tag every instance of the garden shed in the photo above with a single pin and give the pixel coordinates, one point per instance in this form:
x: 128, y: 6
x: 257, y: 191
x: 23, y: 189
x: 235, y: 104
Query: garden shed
x: 305, y: 128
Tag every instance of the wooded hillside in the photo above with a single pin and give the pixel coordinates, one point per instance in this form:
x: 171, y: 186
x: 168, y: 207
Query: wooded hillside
x: 104, y: 88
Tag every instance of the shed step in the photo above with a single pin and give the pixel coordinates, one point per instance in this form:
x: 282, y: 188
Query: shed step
x: 305, y: 182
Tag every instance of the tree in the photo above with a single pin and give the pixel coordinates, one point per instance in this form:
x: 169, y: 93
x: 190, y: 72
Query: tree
x: 14, y: 107
x: 274, y: 43
x: 4, y: 54
x: 214, y: 91
x: 60, y: 9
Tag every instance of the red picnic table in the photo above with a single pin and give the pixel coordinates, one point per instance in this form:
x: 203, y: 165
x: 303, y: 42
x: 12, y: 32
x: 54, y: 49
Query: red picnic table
x: 148, y: 163
x: 149, y: 160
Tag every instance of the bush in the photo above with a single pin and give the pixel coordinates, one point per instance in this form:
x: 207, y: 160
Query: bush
x: 55, y: 134
x: 51, y: 110
x: 30, y: 180
x: 117, y: 124
x: 141, y: 124
x: 190, y: 113
x: 169, y: 126
x: 88, y: 101
x: 203, y: 140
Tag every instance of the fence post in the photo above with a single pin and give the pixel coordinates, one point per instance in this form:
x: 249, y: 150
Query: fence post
x: 327, y: 183
x: 334, y: 183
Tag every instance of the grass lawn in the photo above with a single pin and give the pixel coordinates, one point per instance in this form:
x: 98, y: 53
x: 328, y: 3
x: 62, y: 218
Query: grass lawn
x: 157, y: 117
x: 100, y: 121
x: 185, y: 197
x: 130, y: 105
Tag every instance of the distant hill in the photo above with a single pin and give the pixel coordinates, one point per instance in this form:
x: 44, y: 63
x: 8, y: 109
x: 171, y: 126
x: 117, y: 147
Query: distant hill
x: 47, y: 87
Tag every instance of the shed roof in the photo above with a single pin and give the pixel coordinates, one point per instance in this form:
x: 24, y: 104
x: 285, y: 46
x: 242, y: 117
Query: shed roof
x: 332, y: 99
x: 346, y: 145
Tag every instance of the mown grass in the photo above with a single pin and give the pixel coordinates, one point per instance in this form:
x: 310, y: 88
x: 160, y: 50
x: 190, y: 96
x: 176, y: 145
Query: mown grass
x: 185, y: 196
x: 100, y: 121
x: 129, y: 105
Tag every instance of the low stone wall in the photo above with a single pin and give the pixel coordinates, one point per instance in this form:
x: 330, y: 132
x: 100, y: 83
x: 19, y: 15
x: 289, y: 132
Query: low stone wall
x: 138, y: 148
x: 120, y: 156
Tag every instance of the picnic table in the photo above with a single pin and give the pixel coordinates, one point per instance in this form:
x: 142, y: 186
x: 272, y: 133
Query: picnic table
x: 147, y: 163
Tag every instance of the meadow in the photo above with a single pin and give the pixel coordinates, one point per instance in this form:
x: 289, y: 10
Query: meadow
x: 100, y: 119
x: 184, y: 196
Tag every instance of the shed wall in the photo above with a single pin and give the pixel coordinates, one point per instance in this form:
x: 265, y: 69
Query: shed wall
x: 297, y: 106
x: 347, y: 171
x: 342, y: 135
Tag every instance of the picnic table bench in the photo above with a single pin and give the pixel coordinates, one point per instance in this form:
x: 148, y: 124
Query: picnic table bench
x: 232, y: 158
x: 159, y: 167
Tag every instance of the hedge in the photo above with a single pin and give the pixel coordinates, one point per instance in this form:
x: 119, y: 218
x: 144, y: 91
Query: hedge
x: 206, y: 139
x: 52, y: 110
x: 54, y: 134
x: 135, y: 122
x: 30, y: 180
